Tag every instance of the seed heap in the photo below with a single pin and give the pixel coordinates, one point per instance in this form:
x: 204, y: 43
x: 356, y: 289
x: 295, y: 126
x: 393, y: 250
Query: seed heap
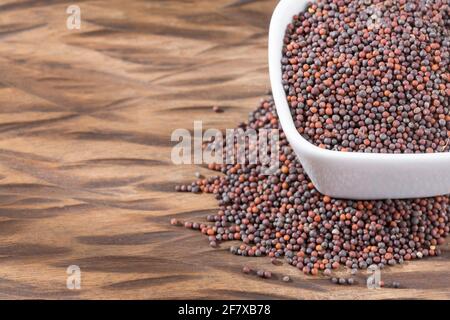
x: 370, y: 75
x: 283, y: 215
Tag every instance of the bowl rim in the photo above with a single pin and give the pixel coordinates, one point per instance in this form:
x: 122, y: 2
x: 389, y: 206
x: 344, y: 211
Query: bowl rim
x: 277, y: 32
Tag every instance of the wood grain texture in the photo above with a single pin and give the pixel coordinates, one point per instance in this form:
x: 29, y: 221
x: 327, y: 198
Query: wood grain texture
x: 85, y: 171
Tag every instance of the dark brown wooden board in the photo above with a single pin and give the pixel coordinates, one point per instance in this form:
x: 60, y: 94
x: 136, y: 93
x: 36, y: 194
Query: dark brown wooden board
x: 85, y: 172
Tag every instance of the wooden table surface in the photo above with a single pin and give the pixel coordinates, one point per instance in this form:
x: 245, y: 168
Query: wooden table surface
x: 85, y: 172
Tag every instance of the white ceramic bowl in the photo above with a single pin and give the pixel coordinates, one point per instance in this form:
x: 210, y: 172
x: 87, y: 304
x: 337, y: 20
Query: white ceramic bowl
x: 352, y: 175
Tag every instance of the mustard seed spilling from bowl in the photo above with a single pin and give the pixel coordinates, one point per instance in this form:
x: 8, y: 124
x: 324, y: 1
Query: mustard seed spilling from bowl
x: 370, y: 75
x: 283, y: 215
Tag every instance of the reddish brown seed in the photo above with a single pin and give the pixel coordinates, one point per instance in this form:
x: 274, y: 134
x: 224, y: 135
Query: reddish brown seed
x: 275, y: 261
x: 246, y: 269
x: 217, y: 109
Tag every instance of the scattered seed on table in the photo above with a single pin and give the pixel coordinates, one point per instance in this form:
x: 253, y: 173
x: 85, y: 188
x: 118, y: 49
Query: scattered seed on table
x: 275, y: 261
x: 286, y: 279
x: 217, y: 109
x: 213, y: 244
x: 246, y: 269
x: 198, y: 175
